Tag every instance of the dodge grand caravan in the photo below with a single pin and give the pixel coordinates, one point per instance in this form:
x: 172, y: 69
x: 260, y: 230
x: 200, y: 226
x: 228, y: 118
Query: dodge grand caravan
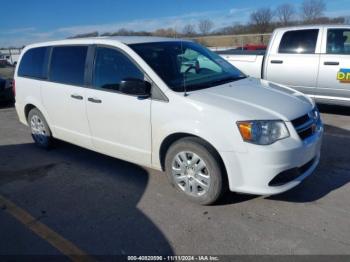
x: 171, y: 105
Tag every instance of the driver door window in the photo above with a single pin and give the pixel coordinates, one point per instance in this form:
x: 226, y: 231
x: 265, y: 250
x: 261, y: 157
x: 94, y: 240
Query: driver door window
x: 111, y: 67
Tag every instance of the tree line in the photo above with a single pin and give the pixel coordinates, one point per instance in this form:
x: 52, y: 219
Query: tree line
x: 262, y: 20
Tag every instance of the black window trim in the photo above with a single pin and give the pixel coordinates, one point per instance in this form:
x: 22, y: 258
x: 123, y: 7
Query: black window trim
x: 294, y: 30
x: 90, y: 75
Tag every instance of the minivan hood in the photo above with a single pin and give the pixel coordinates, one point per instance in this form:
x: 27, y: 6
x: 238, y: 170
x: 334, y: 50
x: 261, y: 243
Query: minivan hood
x: 256, y: 99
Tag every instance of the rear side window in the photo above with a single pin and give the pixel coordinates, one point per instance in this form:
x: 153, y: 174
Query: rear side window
x: 34, y: 63
x: 111, y: 67
x: 68, y: 64
x: 338, y: 41
x: 299, y: 42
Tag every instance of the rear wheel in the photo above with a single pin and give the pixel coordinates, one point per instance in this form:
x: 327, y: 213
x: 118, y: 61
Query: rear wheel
x: 193, y: 168
x: 40, y: 130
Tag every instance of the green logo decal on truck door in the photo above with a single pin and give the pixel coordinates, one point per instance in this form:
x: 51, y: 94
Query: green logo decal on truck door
x: 343, y: 75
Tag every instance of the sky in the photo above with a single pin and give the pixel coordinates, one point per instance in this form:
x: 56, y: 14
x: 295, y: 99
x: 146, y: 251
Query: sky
x: 23, y: 22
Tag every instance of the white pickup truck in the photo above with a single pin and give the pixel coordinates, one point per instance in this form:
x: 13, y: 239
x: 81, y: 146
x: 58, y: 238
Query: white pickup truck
x: 312, y: 59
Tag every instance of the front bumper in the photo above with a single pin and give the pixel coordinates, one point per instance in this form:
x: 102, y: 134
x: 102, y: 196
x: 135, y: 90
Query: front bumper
x: 253, y: 172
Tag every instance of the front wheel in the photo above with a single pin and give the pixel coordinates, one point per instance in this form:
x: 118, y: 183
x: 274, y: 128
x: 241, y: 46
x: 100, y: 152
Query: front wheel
x: 193, y: 168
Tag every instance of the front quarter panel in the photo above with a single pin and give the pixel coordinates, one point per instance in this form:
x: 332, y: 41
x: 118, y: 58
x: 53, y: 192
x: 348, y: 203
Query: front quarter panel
x: 182, y: 115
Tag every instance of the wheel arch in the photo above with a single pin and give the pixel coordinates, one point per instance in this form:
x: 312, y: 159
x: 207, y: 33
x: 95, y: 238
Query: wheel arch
x: 29, y: 105
x: 172, y: 138
x: 27, y: 109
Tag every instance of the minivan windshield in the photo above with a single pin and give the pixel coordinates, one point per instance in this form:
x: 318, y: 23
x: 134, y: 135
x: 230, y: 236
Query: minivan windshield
x: 184, y: 65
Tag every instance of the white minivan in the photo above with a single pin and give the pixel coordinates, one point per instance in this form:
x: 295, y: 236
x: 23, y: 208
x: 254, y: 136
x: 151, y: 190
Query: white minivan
x: 171, y: 105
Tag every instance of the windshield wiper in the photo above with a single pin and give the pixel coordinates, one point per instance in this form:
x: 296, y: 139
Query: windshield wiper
x: 209, y: 84
x: 226, y: 80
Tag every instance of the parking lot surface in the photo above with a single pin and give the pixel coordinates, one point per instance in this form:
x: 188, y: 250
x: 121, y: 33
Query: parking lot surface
x: 101, y: 205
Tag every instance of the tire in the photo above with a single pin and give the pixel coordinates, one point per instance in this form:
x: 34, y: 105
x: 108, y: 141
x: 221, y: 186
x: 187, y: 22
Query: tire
x: 40, y: 130
x: 203, y: 185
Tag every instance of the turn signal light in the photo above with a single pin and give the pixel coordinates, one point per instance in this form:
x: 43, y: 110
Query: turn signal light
x: 246, y: 130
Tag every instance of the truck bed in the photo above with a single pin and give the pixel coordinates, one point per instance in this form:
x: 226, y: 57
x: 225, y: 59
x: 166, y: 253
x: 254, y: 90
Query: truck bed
x: 249, y: 62
x: 240, y: 52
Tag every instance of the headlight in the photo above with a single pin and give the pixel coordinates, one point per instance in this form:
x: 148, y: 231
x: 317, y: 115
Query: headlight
x: 263, y: 132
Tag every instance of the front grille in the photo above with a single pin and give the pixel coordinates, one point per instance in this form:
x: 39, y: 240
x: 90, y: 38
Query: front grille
x: 306, y: 125
x: 291, y: 174
x: 306, y: 133
x: 301, y: 120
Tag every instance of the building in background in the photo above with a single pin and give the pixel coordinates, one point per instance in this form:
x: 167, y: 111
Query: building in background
x: 9, y: 56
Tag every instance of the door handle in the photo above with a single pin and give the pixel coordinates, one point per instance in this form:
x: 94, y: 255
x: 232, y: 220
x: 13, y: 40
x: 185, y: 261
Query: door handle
x: 331, y: 63
x: 76, y: 97
x: 94, y: 100
x: 276, y: 62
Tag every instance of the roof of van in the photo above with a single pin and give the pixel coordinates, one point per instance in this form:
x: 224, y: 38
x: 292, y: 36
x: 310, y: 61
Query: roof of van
x: 123, y: 39
x: 312, y: 27
x: 136, y: 39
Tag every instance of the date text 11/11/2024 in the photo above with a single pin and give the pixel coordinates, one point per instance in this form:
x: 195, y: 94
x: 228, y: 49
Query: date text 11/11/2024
x: 173, y: 258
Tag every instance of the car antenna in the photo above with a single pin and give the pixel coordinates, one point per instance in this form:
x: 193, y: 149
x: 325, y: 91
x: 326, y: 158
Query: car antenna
x: 185, y: 87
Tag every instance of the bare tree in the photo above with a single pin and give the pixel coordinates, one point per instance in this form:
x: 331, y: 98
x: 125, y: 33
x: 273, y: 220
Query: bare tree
x: 189, y: 30
x: 311, y: 10
x: 167, y: 32
x: 261, y: 19
x: 205, y: 26
x: 285, y: 13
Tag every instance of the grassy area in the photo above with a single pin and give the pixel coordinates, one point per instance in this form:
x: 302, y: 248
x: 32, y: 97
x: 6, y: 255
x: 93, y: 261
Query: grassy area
x: 7, y: 72
x: 232, y: 40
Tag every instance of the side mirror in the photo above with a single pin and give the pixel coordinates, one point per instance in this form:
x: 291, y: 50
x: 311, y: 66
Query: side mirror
x: 135, y: 87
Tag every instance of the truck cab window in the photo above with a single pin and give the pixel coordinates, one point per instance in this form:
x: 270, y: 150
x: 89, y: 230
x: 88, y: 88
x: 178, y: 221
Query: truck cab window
x: 338, y: 41
x: 299, y: 42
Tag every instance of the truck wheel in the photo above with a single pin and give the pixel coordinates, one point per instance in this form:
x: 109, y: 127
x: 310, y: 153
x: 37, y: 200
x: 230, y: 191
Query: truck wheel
x: 193, y: 168
x: 40, y: 130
